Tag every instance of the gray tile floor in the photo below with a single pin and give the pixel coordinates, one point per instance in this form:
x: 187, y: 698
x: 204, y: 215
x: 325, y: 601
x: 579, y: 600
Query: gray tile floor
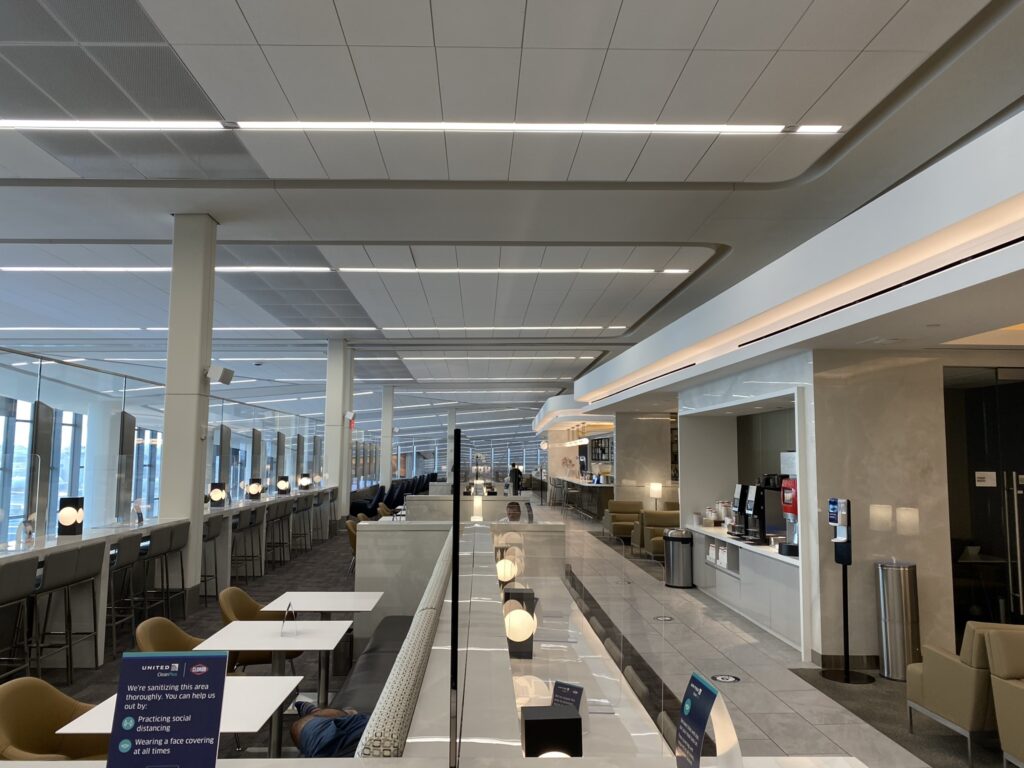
x: 775, y: 711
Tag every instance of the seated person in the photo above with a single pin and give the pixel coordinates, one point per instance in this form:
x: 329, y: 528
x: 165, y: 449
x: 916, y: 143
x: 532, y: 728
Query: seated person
x: 327, y: 732
x: 513, y: 514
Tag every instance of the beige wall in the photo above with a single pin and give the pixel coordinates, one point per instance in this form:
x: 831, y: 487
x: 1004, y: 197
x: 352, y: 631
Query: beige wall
x: 642, y: 448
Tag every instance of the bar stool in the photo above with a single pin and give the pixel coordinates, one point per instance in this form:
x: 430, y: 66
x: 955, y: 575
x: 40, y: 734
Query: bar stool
x: 58, y: 573
x: 179, y: 540
x: 277, y: 538
x: 318, y: 517
x: 87, y: 573
x: 212, y: 527
x: 301, y: 517
x: 570, y: 497
x: 17, y: 583
x: 241, y: 528
x: 122, y: 598
x: 154, y: 563
x: 332, y: 510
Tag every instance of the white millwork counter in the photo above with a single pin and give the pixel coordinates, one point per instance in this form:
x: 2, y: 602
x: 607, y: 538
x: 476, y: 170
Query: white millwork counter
x: 754, y: 580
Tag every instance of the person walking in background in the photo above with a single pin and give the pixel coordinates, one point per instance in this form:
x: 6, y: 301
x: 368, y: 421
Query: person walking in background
x: 515, y: 477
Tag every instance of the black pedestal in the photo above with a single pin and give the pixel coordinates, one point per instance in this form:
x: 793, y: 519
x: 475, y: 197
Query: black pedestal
x: 556, y: 728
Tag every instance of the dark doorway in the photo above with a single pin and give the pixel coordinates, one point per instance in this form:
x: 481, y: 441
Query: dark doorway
x: 985, y: 464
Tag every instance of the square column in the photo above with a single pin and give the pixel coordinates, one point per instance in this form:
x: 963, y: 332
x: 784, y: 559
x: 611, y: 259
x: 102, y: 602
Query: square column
x: 387, y: 433
x: 187, y: 394
x: 337, y: 434
x: 450, y: 456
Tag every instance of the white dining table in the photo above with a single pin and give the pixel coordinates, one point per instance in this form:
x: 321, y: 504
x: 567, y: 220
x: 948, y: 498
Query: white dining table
x: 325, y: 603
x: 248, y: 703
x: 278, y: 638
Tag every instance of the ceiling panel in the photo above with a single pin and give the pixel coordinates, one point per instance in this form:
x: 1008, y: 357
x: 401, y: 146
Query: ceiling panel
x: 399, y: 83
x: 733, y: 158
x: 513, y: 299
x: 345, y: 256
x: 283, y: 155
x: 569, y: 23
x: 713, y: 84
x: 434, y: 256
x: 407, y: 293
x: 739, y: 25
x: 20, y: 158
x: 478, y: 156
x: 219, y: 155
x: 479, y: 296
x: 650, y: 256
x: 104, y: 21
x: 478, y: 256
x: 478, y: 84
x: 521, y: 255
x: 689, y: 257
x: 838, y: 25
x: 349, y: 155
x: 664, y: 24
x: 607, y: 256
x: 25, y: 21
x: 152, y: 155
x: 386, y: 22
x: 790, y: 84
x: 543, y: 157
x: 670, y: 158
x: 869, y: 79
x: 606, y: 157
x: 319, y: 81
x: 73, y: 80
x: 563, y: 257
x: 557, y: 85
x: 923, y: 25
x: 239, y: 81
x: 21, y: 97
x: 390, y: 256
x: 491, y: 23
x: 635, y: 85
x: 83, y: 153
x: 297, y: 22
x: 200, y: 22
x: 444, y: 296
x: 414, y: 155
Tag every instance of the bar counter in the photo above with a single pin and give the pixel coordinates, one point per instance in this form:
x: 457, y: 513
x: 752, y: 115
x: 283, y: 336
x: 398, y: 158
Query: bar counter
x: 590, y: 499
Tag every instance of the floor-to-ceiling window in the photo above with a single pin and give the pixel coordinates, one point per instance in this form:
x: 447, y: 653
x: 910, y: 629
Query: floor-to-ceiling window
x: 15, y: 433
x: 146, y: 479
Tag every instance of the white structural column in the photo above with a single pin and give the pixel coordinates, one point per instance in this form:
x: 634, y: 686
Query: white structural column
x: 450, y: 456
x: 337, y: 434
x: 187, y: 393
x: 387, y: 433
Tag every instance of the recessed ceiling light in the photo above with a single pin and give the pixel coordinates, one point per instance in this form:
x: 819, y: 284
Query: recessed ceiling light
x: 111, y: 125
x: 135, y: 359
x: 676, y: 271
x: 64, y: 328
x: 445, y: 126
x: 271, y: 359
x: 497, y: 270
x: 819, y: 128
x: 496, y: 357
x: 497, y: 328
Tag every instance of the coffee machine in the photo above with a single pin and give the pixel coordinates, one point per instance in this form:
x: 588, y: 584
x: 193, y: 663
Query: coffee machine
x: 738, y: 527
x: 789, y: 513
x: 754, y: 513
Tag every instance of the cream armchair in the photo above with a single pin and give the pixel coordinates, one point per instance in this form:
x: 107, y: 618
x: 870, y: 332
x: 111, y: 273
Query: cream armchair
x: 620, y: 516
x: 648, y: 530
x: 955, y: 690
x: 1006, y: 659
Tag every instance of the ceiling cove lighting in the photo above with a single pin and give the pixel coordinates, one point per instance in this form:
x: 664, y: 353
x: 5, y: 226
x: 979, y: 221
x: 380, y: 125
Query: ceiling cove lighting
x: 500, y: 328
x: 111, y: 125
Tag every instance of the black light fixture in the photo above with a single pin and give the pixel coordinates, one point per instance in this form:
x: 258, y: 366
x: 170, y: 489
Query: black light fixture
x: 70, y: 516
x: 305, y: 480
x: 218, y: 494
x: 552, y: 731
x: 284, y: 487
x: 254, y: 489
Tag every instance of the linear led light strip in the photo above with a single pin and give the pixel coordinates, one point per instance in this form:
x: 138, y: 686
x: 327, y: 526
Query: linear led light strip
x: 375, y: 126
x: 321, y: 328
x: 987, y: 229
x: 376, y: 270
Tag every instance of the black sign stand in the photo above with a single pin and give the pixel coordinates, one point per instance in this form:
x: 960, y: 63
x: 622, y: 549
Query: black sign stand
x: 844, y: 556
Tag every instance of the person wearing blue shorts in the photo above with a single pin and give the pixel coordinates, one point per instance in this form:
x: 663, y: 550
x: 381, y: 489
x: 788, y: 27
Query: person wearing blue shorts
x: 327, y: 732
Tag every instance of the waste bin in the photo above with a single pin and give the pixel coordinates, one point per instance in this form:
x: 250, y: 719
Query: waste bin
x: 899, y: 625
x: 678, y: 558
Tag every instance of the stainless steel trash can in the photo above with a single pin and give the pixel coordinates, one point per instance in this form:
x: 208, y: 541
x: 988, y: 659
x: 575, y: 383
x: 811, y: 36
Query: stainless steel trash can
x: 899, y: 624
x: 678, y: 558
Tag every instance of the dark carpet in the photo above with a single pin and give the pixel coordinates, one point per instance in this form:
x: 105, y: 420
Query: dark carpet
x: 883, y: 705
x: 322, y: 569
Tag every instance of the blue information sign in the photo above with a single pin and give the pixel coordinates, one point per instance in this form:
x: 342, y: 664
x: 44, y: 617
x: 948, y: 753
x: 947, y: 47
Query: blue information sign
x: 568, y: 694
x: 693, y: 720
x: 168, y: 710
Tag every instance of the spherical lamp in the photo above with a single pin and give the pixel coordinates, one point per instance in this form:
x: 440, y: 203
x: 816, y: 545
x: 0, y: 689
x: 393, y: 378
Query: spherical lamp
x: 305, y: 481
x: 283, y: 485
x: 218, y: 494
x: 254, y: 489
x: 519, y: 625
x: 507, y: 570
x: 70, y: 516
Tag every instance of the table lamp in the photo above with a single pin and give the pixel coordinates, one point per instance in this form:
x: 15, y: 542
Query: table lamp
x: 218, y: 494
x: 507, y: 571
x: 70, y: 516
x: 283, y: 486
x: 254, y: 489
x: 305, y: 480
x: 654, y: 491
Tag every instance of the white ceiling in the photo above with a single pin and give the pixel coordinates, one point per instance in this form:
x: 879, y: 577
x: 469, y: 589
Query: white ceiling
x: 435, y: 200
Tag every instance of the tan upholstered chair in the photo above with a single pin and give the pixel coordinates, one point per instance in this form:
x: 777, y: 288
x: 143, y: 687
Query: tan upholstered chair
x: 1006, y: 660
x: 157, y: 635
x: 655, y: 524
x: 238, y: 605
x: 620, y: 516
x: 956, y: 690
x: 31, y: 713
x: 384, y: 510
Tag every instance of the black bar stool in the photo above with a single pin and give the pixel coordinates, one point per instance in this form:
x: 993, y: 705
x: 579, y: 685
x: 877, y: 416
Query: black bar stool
x: 87, y: 573
x: 317, y: 517
x: 154, y: 568
x: 333, y: 508
x: 179, y: 540
x: 58, y: 573
x: 17, y: 583
x: 122, y: 598
x: 212, y: 527
x: 301, y: 513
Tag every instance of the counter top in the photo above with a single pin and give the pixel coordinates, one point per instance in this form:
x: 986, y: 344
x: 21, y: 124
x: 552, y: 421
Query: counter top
x: 760, y: 549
